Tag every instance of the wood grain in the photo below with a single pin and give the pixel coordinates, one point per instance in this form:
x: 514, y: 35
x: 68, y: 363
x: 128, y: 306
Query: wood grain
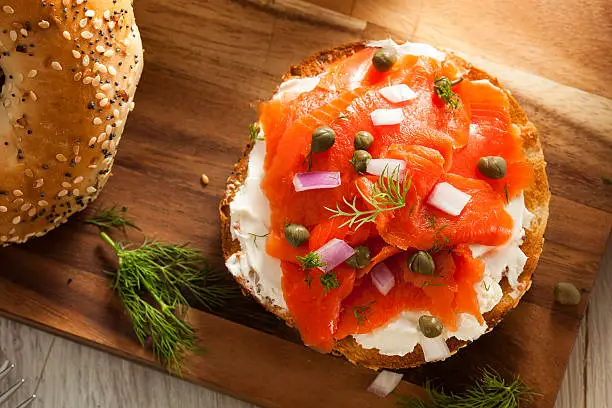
x: 524, y: 35
x: 28, y: 351
x: 194, y: 104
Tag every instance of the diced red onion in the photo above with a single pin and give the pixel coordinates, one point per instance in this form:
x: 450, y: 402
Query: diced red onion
x: 398, y: 93
x: 447, y: 198
x: 434, y: 349
x: 382, y: 278
x: 316, y: 180
x: 388, y: 166
x: 334, y: 253
x: 381, y: 117
x: 385, y: 383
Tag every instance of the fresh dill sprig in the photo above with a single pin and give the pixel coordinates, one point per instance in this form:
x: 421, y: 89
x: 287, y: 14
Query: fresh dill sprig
x: 341, y: 116
x: 153, y: 281
x: 443, y: 87
x: 255, y: 236
x: 311, y: 260
x: 431, y: 221
x: 506, y: 193
x: 388, y: 194
x: 254, y: 130
x: 488, y: 391
x: 114, y: 217
x: 429, y: 283
x: 363, y: 312
x: 329, y: 281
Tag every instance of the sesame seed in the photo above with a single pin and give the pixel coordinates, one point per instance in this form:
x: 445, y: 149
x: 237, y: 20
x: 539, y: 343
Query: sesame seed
x: 33, y: 96
x: 87, y: 35
x: 76, y: 54
x: 92, y: 141
x: 66, y: 184
x: 56, y: 66
x: 26, y: 207
x: 60, y: 157
x: 85, y: 60
x: 39, y: 183
x: 66, y: 35
x: 100, y: 49
x: 100, y: 95
x: 32, y: 212
x: 62, y: 193
x: 109, y: 53
x: 83, y: 22
x: 16, y: 220
x: 104, y: 102
x: 90, y: 13
x: 32, y: 73
x: 44, y: 24
x: 78, y: 180
x: 29, y: 173
x: 112, y: 70
x: 106, y: 87
x: 76, y: 192
x: 43, y: 203
x: 3, y: 209
x: 97, y: 121
x: 17, y: 193
x: 8, y: 9
x: 13, y: 35
x: 91, y: 190
x: 24, y: 32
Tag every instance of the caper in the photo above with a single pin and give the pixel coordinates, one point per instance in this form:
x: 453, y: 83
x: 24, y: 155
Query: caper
x: 384, y: 59
x: 493, y: 167
x: 360, y: 161
x: 361, y: 258
x: 430, y: 326
x: 323, y: 138
x: 296, y: 235
x: 421, y: 262
x: 363, y: 140
x: 567, y: 294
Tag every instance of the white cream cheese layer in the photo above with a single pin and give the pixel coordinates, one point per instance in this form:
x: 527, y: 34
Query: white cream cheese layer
x: 250, y: 221
x: 401, y: 335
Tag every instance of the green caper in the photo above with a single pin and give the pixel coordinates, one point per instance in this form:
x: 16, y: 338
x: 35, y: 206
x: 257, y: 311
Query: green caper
x: 567, y: 294
x: 493, y: 167
x: 296, y: 235
x: 430, y: 326
x: 323, y: 138
x: 384, y: 59
x: 361, y: 258
x: 363, y: 140
x: 360, y: 161
x: 421, y: 262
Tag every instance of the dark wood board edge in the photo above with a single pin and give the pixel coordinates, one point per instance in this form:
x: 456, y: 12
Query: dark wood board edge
x: 255, y: 355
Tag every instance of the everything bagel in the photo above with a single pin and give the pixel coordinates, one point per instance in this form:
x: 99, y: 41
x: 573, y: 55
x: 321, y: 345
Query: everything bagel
x: 70, y: 71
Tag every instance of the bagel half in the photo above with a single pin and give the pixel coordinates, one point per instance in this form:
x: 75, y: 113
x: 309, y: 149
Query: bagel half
x: 70, y: 71
x: 536, y: 195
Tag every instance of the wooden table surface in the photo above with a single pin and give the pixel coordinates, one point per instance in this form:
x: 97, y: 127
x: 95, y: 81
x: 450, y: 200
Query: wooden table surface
x: 68, y: 375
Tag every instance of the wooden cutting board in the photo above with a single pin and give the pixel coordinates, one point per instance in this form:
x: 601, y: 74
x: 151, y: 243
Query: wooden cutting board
x: 207, y: 65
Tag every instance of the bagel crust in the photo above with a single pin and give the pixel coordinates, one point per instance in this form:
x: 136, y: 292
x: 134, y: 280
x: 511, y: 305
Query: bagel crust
x: 537, y: 197
x: 70, y: 73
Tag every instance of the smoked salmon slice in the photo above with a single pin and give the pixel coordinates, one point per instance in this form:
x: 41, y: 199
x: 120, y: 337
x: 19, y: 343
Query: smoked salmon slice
x: 436, y: 144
